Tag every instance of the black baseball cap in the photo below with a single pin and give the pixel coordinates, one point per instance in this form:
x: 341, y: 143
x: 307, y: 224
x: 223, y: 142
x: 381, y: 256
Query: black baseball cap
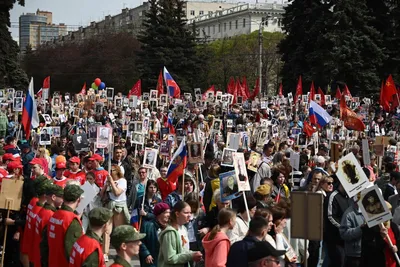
x: 261, y: 250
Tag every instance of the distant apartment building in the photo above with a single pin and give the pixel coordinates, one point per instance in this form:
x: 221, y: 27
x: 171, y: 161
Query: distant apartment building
x: 131, y: 19
x: 38, y: 28
x: 240, y: 19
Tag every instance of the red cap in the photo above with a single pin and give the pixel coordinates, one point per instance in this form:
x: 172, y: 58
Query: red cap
x: 75, y: 160
x: 36, y: 161
x: 8, y: 156
x: 14, y: 165
x: 61, y: 165
x: 96, y: 157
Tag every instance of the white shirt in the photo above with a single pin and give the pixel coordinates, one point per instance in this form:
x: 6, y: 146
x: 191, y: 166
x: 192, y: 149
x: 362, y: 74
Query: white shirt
x: 121, y: 183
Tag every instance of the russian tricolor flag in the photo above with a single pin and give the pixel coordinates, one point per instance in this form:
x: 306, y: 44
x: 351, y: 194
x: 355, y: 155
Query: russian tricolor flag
x: 318, y: 115
x: 30, y: 117
x: 173, y: 89
x: 171, y: 125
x: 178, y: 162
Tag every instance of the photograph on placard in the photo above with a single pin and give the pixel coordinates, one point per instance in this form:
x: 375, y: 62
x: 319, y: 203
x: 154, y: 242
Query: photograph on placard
x: 18, y: 103
x: 146, y: 96
x: 80, y: 142
x: 2, y: 94
x: 150, y: 157
x: 290, y: 253
x: 165, y: 148
x: 239, y: 100
x: 262, y: 137
x: 254, y: 161
x: 56, y: 131
x: 99, y: 107
x: 197, y: 91
x: 195, y: 152
x: 227, y: 157
x: 56, y: 101
x: 153, y: 94
x: 173, y: 139
x: 19, y: 94
x: 77, y: 112
x: 117, y: 102
x: 232, y: 140
x: 264, y: 123
x: 373, y: 206
x: 110, y: 93
x: 146, y: 124
x: 103, y: 137
x: 92, y: 131
x: 217, y: 125
x: 241, y: 171
x: 229, y: 123
x: 153, y: 105
x: 138, y: 126
x: 187, y: 96
x: 45, y: 136
x: 10, y: 93
x: 163, y: 100
x: 218, y: 96
x: 47, y: 119
x: 137, y: 138
x: 229, y: 188
x: 351, y: 175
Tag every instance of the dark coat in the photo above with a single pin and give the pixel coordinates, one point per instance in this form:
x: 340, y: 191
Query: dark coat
x: 237, y: 256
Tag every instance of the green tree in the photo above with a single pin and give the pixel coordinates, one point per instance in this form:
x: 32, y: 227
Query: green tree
x: 11, y: 74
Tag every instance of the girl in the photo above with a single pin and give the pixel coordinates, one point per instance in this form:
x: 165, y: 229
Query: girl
x: 174, y: 245
x: 151, y: 199
x: 216, y: 243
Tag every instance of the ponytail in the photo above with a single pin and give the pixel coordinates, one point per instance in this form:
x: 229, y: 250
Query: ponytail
x: 214, y: 232
x: 224, y: 217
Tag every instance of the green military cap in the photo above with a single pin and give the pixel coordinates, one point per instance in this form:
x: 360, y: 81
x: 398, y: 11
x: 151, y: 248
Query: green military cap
x: 72, y: 192
x: 41, y: 183
x: 53, y: 189
x: 99, y: 216
x: 125, y: 234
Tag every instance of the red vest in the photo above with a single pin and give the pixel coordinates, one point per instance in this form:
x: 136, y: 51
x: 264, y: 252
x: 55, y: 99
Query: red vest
x: 61, y: 183
x: 82, y: 248
x: 100, y: 177
x: 56, y: 229
x: 79, y: 176
x: 41, y: 221
x: 28, y: 230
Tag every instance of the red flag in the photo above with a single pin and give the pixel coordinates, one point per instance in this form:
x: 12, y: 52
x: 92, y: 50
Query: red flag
x: 83, y: 90
x: 280, y: 91
x: 160, y: 84
x: 39, y: 93
x: 308, y: 129
x: 246, y: 87
x: 338, y: 93
x: 322, y: 96
x: 312, y: 92
x: 352, y: 121
x: 343, y: 106
x: 46, y: 83
x: 136, y: 89
x: 256, y: 89
x: 231, y: 86
x: 346, y: 91
x: 388, y: 90
x: 299, y: 90
x: 211, y: 89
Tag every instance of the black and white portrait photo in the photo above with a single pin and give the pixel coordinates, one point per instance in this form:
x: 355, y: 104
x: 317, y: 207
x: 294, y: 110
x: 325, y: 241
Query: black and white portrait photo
x: 56, y: 132
x: 45, y: 137
x: 110, y: 93
x: 80, y: 142
x: 227, y: 157
x: 150, y: 157
x: 18, y: 103
x: 195, y: 152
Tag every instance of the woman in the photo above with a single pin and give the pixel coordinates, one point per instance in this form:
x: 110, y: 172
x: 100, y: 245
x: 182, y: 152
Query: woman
x: 146, y: 207
x: 115, y: 188
x: 231, y: 186
x: 325, y: 185
x: 216, y: 243
x: 242, y: 219
x: 279, y: 188
x: 173, y: 239
x: 14, y: 168
x: 267, y: 214
x: 96, y: 202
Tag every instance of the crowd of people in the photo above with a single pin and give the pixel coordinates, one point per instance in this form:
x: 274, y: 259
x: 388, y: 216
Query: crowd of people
x: 144, y: 206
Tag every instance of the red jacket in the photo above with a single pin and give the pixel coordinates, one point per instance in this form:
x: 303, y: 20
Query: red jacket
x: 28, y: 230
x: 79, y: 176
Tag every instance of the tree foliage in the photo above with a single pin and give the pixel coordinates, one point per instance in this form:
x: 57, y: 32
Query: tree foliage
x: 166, y: 41
x: 11, y: 74
x: 72, y: 64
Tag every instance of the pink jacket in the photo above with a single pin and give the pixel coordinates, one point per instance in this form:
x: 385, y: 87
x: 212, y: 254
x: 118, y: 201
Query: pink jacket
x: 216, y: 250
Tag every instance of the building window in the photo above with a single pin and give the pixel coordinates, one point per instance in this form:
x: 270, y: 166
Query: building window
x: 225, y: 27
x: 213, y: 29
x: 210, y: 12
x: 201, y: 12
x: 192, y: 13
x: 244, y: 23
x: 230, y: 25
x: 236, y: 24
x: 219, y: 27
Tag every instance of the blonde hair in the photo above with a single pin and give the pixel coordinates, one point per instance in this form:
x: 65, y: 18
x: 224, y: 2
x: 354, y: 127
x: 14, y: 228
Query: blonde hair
x: 217, y: 195
x: 324, y: 179
x: 224, y: 217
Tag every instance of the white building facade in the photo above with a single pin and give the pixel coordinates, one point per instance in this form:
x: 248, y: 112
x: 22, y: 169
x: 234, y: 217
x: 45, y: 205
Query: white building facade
x: 237, y: 20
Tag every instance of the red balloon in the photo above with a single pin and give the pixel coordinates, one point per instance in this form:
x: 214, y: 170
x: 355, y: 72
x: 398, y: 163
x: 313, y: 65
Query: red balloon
x: 97, y: 81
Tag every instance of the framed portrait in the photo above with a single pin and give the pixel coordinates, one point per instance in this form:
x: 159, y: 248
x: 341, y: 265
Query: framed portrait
x: 3, y: 94
x: 163, y: 100
x: 195, y: 152
x: 45, y: 136
x: 56, y: 131
x: 240, y: 100
x: 217, y: 125
x: 254, y: 161
x: 56, y: 101
x: 228, y: 186
x: 373, y: 206
x: 138, y: 126
x: 47, y: 119
x: 241, y: 171
x: 188, y: 96
x: 290, y: 253
x: 153, y: 104
x: 146, y: 125
x: 92, y: 131
x: 317, y: 98
x: 218, y: 96
x: 165, y: 148
x: 197, y: 91
x: 103, y: 136
x: 117, y: 102
x: 77, y: 112
x: 110, y: 93
x: 80, y: 142
x: 146, y: 96
x: 98, y: 107
x: 18, y: 103
x: 19, y: 94
x: 137, y: 138
x: 150, y: 157
x: 133, y: 101
x: 227, y: 157
x: 328, y: 99
x: 210, y: 96
x: 229, y: 123
x: 10, y: 93
x: 153, y: 94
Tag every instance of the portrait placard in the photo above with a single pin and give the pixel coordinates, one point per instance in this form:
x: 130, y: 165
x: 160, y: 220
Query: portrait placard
x: 373, y: 206
x: 228, y: 186
x: 241, y: 171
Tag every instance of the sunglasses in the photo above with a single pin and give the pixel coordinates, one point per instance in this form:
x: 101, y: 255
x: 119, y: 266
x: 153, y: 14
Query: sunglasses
x: 329, y: 183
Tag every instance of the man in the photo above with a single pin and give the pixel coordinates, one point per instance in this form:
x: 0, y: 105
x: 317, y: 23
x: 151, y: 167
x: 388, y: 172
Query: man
x: 37, y: 168
x: 74, y: 171
x: 34, y: 207
x: 26, y: 157
x: 104, y: 133
x: 126, y: 240
x: 54, y: 199
x: 263, y: 254
x: 99, y: 172
x: 150, y: 157
x: 87, y: 251
x: 237, y: 255
x: 176, y: 195
x: 64, y: 228
x: 165, y: 185
x: 44, y: 136
x: 118, y: 159
x: 201, y: 124
x: 150, y: 247
x: 393, y: 186
x: 60, y: 179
